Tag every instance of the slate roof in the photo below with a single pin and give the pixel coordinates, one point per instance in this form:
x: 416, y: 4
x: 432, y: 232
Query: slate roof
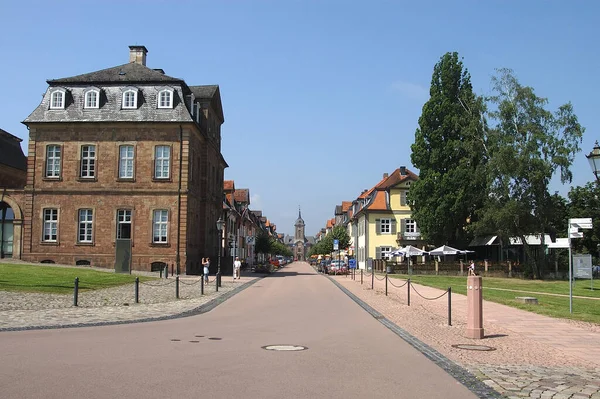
x: 213, y: 95
x: 11, y: 153
x: 130, y: 73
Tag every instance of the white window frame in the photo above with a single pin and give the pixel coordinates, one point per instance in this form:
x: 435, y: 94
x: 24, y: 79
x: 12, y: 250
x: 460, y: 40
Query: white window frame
x: 50, y: 225
x: 385, y: 252
x: 162, y: 162
x: 53, y: 161
x: 160, y: 226
x: 126, y: 162
x: 85, y: 227
x: 91, y: 99
x: 165, y: 102
x: 124, y: 216
x: 87, y: 168
x: 57, y: 99
x: 385, y: 226
x: 410, y: 226
x: 129, y: 103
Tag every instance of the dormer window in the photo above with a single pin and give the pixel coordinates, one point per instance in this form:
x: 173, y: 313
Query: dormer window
x: 130, y: 99
x: 165, y: 98
x: 57, y: 99
x: 92, y: 99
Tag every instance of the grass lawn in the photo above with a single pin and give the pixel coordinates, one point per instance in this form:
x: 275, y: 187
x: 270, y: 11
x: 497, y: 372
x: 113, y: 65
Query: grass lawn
x: 58, y: 280
x: 549, y: 304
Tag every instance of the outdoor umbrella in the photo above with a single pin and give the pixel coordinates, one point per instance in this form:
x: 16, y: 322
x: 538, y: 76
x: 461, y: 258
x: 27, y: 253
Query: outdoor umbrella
x: 445, y: 250
x: 409, y: 250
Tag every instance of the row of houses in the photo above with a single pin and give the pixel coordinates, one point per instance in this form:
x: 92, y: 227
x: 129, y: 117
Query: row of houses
x: 124, y: 169
x: 379, y: 219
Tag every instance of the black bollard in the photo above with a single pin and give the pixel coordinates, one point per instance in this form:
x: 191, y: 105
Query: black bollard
x: 361, y: 276
x: 372, y: 278
x: 386, y: 277
x: 177, y: 287
x: 172, y: 270
x: 160, y: 272
x: 449, y: 306
x: 408, y: 285
x: 137, y: 290
x: 217, y: 283
x: 76, y: 291
x: 166, y: 271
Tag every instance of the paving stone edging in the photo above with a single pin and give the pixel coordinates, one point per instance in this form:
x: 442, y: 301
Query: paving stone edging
x: 203, y: 308
x: 462, y: 375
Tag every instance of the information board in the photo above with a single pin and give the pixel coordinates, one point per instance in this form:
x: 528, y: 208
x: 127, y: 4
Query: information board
x: 582, y: 266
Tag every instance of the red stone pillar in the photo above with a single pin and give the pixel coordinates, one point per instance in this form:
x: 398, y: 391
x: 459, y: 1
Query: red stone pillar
x: 474, y: 307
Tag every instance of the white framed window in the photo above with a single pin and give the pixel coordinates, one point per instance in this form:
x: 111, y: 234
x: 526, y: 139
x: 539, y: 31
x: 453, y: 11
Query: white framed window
x: 88, y: 162
x: 385, y: 252
x: 91, y: 99
x: 165, y: 99
x: 57, y: 99
x: 86, y: 226
x: 53, y: 161
x: 162, y: 161
x: 124, y: 224
x: 410, y: 226
x: 130, y: 99
x: 50, y: 233
x: 160, y: 223
x: 385, y: 226
x: 126, y: 161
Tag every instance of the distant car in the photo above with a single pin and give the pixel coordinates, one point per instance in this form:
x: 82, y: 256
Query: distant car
x: 338, y: 267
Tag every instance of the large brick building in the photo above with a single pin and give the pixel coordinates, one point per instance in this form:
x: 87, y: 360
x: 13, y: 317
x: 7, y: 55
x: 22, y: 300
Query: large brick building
x: 124, y: 170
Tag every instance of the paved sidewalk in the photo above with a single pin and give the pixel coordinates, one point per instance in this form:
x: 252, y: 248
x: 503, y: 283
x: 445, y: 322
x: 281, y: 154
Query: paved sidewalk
x: 535, y: 356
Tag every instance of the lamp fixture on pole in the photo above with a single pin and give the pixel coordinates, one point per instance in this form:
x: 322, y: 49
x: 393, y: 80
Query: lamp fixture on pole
x: 220, y: 225
x: 594, y: 159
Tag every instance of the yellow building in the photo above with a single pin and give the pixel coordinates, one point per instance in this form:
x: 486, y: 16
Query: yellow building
x: 382, y: 218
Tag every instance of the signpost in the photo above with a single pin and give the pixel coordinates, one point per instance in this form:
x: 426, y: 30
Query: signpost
x: 573, y: 230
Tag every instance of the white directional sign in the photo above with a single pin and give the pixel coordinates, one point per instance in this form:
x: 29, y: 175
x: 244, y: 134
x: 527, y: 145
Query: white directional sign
x: 576, y: 234
x: 581, y: 220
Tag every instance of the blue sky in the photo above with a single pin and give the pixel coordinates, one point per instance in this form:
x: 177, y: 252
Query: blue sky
x: 320, y: 97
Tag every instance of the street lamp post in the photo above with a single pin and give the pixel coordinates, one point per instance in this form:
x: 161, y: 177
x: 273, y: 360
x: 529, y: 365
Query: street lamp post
x: 594, y: 159
x: 220, y: 225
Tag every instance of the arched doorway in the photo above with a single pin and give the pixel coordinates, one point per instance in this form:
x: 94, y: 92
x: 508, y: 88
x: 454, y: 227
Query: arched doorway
x: 7, y: 230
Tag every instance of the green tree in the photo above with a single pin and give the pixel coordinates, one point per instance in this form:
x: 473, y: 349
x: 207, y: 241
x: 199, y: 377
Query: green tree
x: 527, y: 145
x: 262, y: 245
x: 585, y: 203
x: 278, y: 248
x: 449, y: 151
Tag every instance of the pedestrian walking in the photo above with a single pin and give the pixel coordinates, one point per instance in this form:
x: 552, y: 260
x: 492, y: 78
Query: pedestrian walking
x: 472, y: 269
x: 237, y: 267
x: 206, y: 265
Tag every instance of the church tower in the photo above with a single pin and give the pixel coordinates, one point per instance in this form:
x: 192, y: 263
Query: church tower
x: 299, y: 238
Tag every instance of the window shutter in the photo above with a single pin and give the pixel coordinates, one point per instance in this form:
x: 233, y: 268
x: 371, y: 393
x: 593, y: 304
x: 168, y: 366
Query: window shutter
x: 402, y: 226
x: 377, y: 226
x: 377, y: 252
x: 393, y: 227
x: 403, y: 198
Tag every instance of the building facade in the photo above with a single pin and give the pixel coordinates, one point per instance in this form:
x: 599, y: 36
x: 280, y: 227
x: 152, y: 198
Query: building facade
x: 124, y: 170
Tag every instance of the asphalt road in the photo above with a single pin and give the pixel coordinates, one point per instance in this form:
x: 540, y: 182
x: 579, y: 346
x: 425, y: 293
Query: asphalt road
x: 349, y: 355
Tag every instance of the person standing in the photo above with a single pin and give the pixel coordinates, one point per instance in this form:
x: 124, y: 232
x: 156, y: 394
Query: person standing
x: 472, y: 269
x: 206, y: 265
x: 237, y: 267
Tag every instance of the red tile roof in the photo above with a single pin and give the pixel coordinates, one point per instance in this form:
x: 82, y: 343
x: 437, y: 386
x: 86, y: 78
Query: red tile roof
x: 228, y: 185
x: 242, y: 195
x: 346, y: 205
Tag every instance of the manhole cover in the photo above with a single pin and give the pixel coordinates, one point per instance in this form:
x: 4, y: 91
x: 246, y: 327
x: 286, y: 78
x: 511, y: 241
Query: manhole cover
x: 284, y: 348
x: 471, y: 347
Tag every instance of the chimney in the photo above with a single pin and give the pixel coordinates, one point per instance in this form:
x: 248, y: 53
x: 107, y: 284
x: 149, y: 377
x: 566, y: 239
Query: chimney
x: 159, y: 70
x: 402, y: 170
x: 137, y: 54
x: 385, y: 175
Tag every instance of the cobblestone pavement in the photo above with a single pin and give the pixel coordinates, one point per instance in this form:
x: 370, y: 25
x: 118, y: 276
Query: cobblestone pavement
x: 519, y: 367
x: 157, y: 300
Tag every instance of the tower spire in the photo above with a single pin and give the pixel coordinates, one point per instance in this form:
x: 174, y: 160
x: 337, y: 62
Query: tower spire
x: 299, y: 213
